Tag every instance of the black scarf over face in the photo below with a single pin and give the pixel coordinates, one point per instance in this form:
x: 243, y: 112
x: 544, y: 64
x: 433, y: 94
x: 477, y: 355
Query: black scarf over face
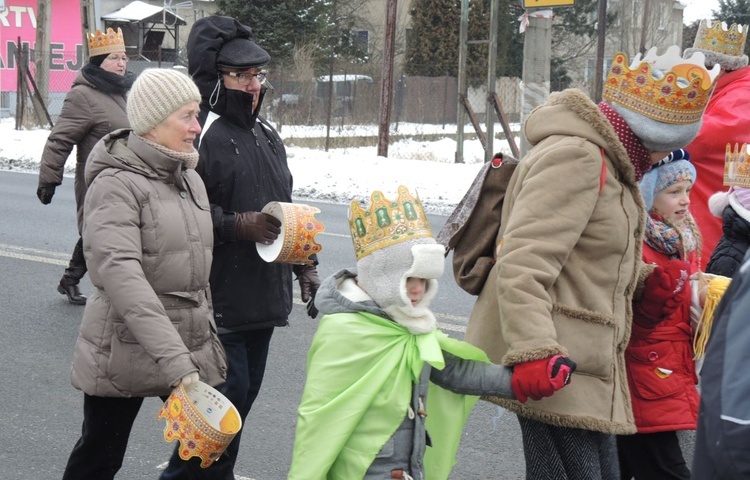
x: 237, y: 105
x: 108, y: 82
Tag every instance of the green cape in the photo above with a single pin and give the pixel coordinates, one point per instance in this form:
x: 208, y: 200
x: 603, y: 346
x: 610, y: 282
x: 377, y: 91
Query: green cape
x: 360, y: 372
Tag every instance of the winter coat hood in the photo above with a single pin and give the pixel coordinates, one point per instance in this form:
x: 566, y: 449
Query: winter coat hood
x: 339, y: 293
x: 205, y: 41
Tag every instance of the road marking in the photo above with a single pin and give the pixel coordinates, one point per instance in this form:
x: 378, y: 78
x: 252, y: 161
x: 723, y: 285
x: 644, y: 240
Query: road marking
x: 453, y: 323
x: 162, y: 466
x: 33, y: 255
x: 340, y: 235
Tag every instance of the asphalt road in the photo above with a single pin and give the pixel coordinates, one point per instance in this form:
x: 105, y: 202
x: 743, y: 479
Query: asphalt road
x: 40, y: 418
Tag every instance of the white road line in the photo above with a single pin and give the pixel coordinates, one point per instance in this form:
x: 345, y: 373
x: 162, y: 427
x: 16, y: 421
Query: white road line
x: 454, y: 323
x: 162, y: 466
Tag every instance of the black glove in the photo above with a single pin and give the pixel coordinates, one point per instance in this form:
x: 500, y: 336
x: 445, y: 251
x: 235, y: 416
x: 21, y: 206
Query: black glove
x: 256, y: 227
x: 307, y: 275
x: 45, y: 194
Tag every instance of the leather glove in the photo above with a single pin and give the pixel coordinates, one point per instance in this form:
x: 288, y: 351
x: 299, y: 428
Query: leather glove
x: 541, y: 378
x: 663, y: 293
x: 256, y: 227
x: 45, y: 194
x: 307, y: 275
x: 188, y: 380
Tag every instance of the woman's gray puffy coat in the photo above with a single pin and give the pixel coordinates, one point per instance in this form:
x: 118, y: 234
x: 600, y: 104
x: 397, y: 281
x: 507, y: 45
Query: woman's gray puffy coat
x: 148, y: 238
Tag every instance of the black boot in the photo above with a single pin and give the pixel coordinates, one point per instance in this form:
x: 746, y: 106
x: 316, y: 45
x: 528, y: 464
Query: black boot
x: 69, y: 286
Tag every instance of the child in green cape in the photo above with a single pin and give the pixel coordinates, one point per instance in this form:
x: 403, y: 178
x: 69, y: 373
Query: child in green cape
x: 377, y: 353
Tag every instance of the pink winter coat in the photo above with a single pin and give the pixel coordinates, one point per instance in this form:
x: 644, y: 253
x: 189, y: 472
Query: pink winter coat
x: 660, y: 366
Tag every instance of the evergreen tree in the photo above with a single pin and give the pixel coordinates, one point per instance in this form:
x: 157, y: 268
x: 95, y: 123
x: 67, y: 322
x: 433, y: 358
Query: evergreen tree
x: 277, y: 24
x: 734, y: 11
x: 433, y: 46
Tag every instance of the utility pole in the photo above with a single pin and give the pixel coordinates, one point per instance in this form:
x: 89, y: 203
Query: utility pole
x: 537, y: 55
x: 601, y: 30
x: 386, y: 84
x: 41, y: 46
x: 462, y: 89
x: 644, y: 22
x: 42, y: 54
x: 492, y: 81
x: 88, y: 23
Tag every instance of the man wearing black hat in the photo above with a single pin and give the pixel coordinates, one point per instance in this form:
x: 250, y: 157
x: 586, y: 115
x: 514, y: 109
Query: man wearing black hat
x: 243, y: 164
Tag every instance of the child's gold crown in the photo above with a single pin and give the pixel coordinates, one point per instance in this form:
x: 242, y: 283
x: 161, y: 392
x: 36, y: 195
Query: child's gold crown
x: 386, y: 222
x: 665, y: 88
x: 719, y: 38
x: 105, y: 43
x: 737, y: 166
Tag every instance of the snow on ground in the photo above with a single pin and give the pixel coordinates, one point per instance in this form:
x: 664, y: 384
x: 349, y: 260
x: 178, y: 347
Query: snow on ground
x: 339, y: 175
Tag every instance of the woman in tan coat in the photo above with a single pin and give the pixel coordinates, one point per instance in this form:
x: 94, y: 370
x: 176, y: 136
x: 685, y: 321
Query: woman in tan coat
x: 94, y: 107
x: 569, y: 263
x: 148, y: 240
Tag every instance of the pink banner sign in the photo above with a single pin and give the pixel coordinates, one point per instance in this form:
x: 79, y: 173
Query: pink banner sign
x: 65, y: 52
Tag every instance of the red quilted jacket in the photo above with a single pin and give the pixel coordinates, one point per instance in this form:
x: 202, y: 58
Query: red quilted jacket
x: 661, y: 369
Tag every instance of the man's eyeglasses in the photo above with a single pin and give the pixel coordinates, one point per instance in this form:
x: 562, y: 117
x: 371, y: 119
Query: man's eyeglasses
x: 245, y: 79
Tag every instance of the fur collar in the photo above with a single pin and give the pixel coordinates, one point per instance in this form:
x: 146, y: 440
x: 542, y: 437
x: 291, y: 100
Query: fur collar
x: 582, y: 106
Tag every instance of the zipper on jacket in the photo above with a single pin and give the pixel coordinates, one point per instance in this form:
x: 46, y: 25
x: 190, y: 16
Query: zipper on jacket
x: 256, y: 138
x: 236, y: 148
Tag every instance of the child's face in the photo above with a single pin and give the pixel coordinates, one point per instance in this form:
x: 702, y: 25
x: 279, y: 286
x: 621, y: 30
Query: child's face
x: 673, y: 202
x: 415, y: 289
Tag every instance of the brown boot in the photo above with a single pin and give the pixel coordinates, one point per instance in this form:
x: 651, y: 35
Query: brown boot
x: 69, y: 287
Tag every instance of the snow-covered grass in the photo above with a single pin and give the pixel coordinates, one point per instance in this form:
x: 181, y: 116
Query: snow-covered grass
x: 339, y: 175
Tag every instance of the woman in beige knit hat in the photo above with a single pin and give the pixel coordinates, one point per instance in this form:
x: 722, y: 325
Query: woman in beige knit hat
x: 147, y: 237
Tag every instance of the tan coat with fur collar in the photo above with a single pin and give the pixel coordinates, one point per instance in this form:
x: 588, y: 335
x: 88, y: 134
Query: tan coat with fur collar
x: 569, y: 265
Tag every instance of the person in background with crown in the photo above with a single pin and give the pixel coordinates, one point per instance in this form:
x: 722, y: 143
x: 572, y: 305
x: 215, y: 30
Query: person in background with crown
x: 244, y: 166
x: 659, y: 357
x: 726, y: 120
x: 365, y: 401
x: 733, y: 207
x: 568, y: 262
x: 94, y: 107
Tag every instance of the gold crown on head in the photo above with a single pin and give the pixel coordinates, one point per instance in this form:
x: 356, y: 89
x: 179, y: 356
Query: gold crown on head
x: 105, y: 43
x: 737, y: 166
x: 387, y: 222
x: 665, y: 88
x: 719, y: 38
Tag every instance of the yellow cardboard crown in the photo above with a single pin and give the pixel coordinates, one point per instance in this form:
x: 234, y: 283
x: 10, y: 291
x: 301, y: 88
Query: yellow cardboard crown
x: 717, y: 37
x: 105, y: 43
x: 387, y: 222
x: 665, y: 88
x: 737, y: 166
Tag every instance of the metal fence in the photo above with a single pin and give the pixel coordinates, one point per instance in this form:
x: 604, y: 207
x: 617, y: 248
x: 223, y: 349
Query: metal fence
x: 339, y: 102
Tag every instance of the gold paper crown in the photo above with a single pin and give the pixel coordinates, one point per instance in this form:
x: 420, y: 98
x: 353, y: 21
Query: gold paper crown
x: 387, y: 223
x: 105, y: 43
x: 720, y: 39
x: 678, y: 97
x: 737, y: 166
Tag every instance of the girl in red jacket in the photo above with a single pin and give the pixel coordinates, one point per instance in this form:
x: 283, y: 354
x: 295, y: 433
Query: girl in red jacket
x: 659, y: 357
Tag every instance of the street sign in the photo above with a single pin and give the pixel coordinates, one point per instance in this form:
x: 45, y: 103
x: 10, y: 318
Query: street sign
x: 546, y: 3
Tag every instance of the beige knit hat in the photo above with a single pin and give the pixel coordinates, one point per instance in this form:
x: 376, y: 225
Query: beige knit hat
x: 156, y: 94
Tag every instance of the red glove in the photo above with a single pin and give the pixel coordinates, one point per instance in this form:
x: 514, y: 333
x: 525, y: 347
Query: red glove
x: 541, y: 378
x: 665, y: 290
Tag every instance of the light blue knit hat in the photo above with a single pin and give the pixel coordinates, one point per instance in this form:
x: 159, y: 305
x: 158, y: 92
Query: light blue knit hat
x: 662, y: 176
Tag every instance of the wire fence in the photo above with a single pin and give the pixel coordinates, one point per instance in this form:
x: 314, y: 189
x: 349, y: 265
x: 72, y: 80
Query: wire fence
x: 340, y: 105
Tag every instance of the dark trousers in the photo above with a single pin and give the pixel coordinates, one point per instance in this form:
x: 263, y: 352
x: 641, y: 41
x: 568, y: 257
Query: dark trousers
x: 106, y: 428
x: 647, y: 456
x: 561, y: 453
x: 246, y: 357
x: 77, y: 265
